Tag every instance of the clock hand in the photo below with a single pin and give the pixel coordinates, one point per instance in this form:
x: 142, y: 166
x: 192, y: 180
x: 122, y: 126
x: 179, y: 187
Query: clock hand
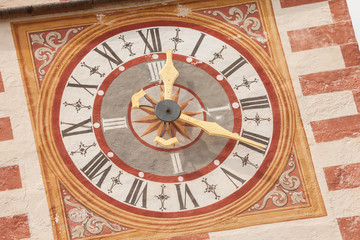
x: 168, y: 75
x: 166, y: 143
x: 213, y: 128
x: 135, y: 98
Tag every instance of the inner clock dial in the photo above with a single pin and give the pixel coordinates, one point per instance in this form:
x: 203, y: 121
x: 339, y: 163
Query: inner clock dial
x: 135, y: 129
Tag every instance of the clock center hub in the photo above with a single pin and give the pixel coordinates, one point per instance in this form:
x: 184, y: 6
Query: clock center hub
x: 167, y: 110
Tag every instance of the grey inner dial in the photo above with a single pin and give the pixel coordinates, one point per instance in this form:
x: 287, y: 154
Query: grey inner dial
x: 132, y: 152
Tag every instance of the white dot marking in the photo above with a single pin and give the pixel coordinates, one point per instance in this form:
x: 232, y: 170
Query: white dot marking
x: 235, y: 105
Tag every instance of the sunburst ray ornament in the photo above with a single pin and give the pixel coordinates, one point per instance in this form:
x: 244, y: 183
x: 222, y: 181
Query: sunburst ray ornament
x: 169, y: 129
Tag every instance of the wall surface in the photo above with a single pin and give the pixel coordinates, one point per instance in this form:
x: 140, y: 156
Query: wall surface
x: 324, y: 63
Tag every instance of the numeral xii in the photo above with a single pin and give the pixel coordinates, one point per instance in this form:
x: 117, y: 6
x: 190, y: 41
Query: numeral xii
x: 152, y: 40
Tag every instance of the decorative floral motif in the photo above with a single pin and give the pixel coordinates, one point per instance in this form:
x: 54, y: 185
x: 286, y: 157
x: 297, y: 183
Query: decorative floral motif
x: 50, y: 43
x: 83, y: 222
x: 246, y: 83
x: 257, y: 119
x: 285, y: 187
x: 210, y: 188
x: 176, y: 39
x: 162, y: 197
x: 236, y: 17
x: 249, y: 24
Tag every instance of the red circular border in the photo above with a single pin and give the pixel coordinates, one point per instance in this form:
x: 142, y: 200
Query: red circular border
x: 203, y: 210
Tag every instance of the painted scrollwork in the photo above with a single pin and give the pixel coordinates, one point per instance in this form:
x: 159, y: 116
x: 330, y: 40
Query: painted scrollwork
x: 50, y: 43
x: 238, y: 18
x: 285, y: 187
x: 89, y: 222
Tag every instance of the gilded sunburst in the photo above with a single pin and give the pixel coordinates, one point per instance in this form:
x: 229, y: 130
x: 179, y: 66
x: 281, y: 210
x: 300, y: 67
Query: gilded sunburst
x: 165, y: 128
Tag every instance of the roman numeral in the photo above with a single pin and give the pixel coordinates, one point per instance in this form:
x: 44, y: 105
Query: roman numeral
x: 231, y: 176
x: 215, y: 109
x: 187, y: 194
x: 86, y: 87
x: 154, y: 44
x: 92, y: 169
x: 114, y: 123
x: 154, y: 68
x: 257, y: 138
x: 175, y: 159
x: 136, y: 193
x: 254, y: 103
x: 76, y: 128
x: 197, y: 45
x: 112, y: 57
x: 233, y: 67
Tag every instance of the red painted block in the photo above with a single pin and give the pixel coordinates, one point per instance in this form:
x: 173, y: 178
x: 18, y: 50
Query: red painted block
x: 322, y: 36
x: 15, y: 227
x: 339, y: 10
x: 200, y: 236
x: 293, y: 3
x: 349, y: 227
x: 10, y: 178
x: 343, y: 176
x: 2, y: 89
x: 331, y: 81
x: 351, y: 54
x: 6, y: 132
x: 357, y: 99
x: 336, y: 128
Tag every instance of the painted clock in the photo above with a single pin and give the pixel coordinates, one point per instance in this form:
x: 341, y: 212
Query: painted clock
x: 137, y: 148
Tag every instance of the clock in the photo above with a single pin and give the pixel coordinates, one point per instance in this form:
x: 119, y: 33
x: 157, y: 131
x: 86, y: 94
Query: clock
x: 137, y: 149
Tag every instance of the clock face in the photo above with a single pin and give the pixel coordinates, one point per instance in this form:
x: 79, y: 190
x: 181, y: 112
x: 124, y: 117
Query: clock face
x: 109, y: 146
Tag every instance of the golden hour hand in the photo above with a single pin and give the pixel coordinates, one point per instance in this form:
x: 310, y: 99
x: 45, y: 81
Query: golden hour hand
x: 168, y: 75
x: 212, y: 128
x: 167, y: 110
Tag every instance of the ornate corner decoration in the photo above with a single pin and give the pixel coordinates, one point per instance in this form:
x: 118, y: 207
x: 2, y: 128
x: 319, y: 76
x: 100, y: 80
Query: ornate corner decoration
x: 46, y: 45
x: 287, y: 191
x: 84, y: 223
x: 245, y: 17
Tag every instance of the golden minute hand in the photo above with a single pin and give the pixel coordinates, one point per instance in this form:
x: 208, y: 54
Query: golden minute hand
x: 213, y: 128
x: 168, y: 75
